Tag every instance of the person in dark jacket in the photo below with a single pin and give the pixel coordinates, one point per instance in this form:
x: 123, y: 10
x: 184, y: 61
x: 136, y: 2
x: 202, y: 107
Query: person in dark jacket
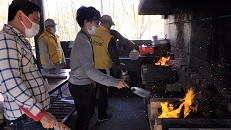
x: 118, y: 39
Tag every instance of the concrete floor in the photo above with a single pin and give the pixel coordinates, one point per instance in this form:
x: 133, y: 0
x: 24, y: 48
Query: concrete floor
x: 128, y: 114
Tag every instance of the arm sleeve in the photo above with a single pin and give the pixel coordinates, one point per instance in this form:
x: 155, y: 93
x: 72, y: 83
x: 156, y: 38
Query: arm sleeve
x: 38, y: 117
x: 43, y: 50
x: 86, y: 60
x: 122, y: 39
x: 113, y: 51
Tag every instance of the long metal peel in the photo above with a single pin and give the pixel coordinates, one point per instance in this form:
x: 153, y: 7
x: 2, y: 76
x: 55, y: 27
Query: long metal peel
x: 140, y: 92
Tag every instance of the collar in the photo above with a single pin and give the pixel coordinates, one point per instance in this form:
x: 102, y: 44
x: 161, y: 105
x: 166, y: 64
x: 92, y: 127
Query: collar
x: 12, y: 31
x: 49, y: 34
x: 101, y: 27
x: 89, y: 37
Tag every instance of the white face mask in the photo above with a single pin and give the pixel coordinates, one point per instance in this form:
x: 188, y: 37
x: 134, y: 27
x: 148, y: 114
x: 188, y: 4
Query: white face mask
x: 93, y: 30
x: 53, y: 30
x: 33, y: 31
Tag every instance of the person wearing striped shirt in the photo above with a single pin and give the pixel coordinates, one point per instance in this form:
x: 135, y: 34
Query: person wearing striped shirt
x: 24, y: 90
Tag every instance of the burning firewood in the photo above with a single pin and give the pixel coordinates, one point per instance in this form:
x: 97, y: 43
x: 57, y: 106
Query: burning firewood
x: 171, y: 111
x: 163, y: 61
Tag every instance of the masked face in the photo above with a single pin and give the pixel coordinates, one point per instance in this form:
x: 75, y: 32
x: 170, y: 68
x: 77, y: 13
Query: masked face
x: 53, y: 30
x: 93, y: 30
x: 33, y: 31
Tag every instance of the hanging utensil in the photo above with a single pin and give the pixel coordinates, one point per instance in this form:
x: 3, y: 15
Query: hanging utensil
x: 134, y: 54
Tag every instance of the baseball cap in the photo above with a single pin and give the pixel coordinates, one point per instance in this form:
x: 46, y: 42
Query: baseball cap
x: 50, y: 22
x: 107, y: 18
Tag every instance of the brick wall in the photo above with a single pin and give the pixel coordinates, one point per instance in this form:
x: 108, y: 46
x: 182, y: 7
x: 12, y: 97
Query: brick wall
x: 201, y: 39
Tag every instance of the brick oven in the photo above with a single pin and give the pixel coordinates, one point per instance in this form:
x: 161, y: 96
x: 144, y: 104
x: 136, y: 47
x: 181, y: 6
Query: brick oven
x: 199, y: 34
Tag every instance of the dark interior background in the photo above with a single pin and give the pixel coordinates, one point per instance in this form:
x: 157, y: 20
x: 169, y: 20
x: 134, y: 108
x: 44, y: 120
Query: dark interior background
x: 200, y: 38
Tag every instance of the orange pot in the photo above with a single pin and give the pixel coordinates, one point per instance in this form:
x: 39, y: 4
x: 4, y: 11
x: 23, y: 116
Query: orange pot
x: 146, y: 50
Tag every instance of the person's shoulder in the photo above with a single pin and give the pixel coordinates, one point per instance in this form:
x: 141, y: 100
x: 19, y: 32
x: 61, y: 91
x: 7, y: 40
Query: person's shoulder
x: 42, y: 35
x: 81, y: 35
x: 81, y: 38
x: 114, y: 32
x: 102, y: 32
x: 6, y: 36
x: 56, y: 35
x: 10, y: 41
x: 2, y: 33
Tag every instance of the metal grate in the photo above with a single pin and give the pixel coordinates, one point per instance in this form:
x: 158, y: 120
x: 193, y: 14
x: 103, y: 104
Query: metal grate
x: 62, y: 110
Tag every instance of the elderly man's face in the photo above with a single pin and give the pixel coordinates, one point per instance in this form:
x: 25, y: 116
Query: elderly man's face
x: 51, y: 28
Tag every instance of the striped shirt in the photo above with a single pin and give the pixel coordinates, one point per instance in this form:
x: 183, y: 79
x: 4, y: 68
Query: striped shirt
x: 21, y: 83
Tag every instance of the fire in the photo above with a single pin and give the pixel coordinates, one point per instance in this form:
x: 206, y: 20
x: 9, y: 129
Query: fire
x: 168, y: 110
x: 163, y: 61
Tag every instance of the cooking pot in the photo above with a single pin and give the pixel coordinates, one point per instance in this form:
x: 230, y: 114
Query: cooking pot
x: 146, y: 50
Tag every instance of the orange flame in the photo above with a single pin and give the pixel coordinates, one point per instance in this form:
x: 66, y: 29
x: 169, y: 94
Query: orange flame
x: 168, y: 110
x: 163, y: 61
